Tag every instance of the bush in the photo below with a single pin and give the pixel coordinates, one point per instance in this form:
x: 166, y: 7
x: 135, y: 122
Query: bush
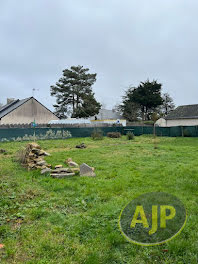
x: 21, y: 156
x: 97, y: 134
x: 130, y: 135
x: 114, y: 134
x: 186, y: 133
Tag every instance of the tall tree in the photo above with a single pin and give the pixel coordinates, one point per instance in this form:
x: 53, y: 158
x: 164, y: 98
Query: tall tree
x: 74, y: 95
x: 168, y: 104
x: 129, y: 109
x: 148, y: 96
x: 145, y: 99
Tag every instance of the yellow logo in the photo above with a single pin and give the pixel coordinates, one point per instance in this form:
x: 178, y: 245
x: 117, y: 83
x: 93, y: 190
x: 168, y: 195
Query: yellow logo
x: 152, y: 219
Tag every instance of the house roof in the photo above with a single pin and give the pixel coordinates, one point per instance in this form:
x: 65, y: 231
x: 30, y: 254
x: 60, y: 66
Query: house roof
x: 184, y: 112
x: 6, y: 109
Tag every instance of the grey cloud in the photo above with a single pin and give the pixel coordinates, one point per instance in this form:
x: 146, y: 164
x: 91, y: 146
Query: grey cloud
x: 124, y: 42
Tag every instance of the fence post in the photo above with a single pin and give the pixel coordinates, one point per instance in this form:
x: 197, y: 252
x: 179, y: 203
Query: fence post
x: 182, y: 129
x: 154, y: 132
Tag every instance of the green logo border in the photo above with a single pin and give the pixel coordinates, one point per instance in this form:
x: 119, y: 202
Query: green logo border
x: 149, y: 244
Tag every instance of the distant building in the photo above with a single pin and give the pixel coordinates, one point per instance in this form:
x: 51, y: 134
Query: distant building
x: 25, y: 111
x: 161, y: 122
x: 108, y: 117
x: 105, y: 114
x: 184, y: 115
x: 70, y: 121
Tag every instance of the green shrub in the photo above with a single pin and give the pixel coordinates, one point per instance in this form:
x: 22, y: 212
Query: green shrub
x: 21, y: 156
x: 114, y: 134
x: 130, y: 135
x: 97, y: 134
x: 186, y: 133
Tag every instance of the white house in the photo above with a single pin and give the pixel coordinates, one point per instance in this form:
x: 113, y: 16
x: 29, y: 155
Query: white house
x: 161, y: 122
x: 184, y: 115
x: 25, y: 111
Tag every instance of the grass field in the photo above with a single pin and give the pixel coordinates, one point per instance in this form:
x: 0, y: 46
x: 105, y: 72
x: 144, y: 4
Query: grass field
x: 46, y: 220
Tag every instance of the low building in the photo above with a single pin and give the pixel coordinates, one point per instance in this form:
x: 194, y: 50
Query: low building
x: 108, y: 117
x: 105, y: 114
x: 184, y: 115
x: 70, y: 121
x: 161, y: 122
x: 25, y: 111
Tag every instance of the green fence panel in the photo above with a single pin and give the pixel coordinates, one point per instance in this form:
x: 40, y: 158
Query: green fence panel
x: 148, y: 130
x: 16, y: 134
x: 138, y: 130
x: 175, y: 131
x: 162, y: 131
x: 20, y: 134
x: 190, y: 131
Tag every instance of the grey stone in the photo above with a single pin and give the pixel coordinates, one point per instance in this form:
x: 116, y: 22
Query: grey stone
x: 41, y: 163
x: 86, y: 170
x: 3, y: 151
x: 61, y: 175
x: 45, y: 171
x: 58, y: 166
x: 36, y: 151
x: 81, y: 146
x: 47, y: 154
x: 71, y: 163
x: 61, y: 170
x: 76, y: 170
x: 43, y: 153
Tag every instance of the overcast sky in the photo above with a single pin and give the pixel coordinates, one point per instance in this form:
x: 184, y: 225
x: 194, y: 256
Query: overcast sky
x: 123, y: 41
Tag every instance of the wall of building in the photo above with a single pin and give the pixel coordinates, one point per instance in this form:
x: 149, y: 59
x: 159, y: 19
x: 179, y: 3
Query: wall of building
x: 161, y: 122
x: 182, y: 122
x: 109, y: 121
x: 27, y: 113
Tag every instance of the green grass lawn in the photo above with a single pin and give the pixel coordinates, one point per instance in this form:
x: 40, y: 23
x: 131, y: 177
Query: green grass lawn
x: 75, y: 220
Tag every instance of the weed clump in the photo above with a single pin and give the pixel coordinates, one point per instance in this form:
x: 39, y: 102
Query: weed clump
x: 130, y: 135
x: 114, y: 134
x: 21, y: 156
x: 97, y: 134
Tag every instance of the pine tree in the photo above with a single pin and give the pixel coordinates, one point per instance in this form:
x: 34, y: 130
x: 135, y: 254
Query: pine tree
x: 148, y: 96
x: 142, y: 100
x: 74, y: 95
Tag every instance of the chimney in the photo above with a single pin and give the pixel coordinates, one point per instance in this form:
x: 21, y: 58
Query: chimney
x: 10, y: 100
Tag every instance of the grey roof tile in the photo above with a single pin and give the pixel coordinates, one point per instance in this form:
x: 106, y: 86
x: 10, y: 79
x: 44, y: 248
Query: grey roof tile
x: 184, y: 112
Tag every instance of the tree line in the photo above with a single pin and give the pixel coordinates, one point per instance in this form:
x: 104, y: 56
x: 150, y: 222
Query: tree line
x: 75, y: 97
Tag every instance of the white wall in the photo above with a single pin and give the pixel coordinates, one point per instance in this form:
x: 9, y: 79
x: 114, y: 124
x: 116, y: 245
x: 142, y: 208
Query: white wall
x: 109, y: 121
x: 182, y: 122
x: 161, y: 122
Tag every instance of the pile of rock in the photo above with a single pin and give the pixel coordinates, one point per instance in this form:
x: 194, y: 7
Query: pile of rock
x: 34, y: 157
x: 60, y: 172
x: 74, y: 169
x: 3, y: 151
x: 81, y: 146
x: 71, y: 163
x: 84, y: 169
